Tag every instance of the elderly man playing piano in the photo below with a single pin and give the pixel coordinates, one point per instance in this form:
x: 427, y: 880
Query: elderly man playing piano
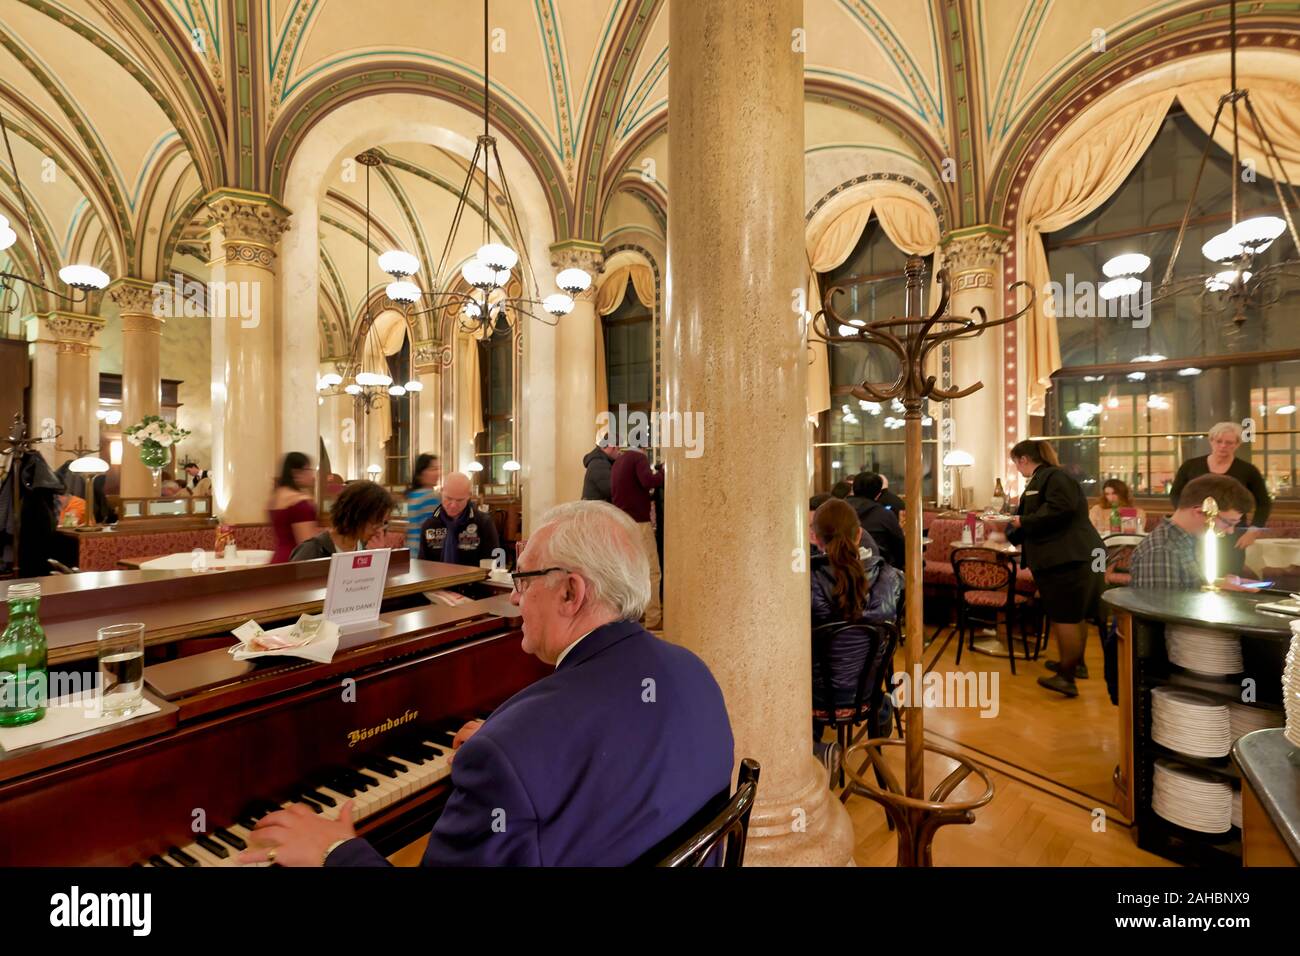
x: 593, y: 765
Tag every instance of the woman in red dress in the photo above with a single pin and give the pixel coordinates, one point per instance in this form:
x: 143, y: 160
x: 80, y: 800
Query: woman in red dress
x: 292, y: 510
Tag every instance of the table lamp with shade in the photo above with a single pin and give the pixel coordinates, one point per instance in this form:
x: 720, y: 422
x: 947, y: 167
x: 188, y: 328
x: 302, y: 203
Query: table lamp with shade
x: 957, y: 460
x: 89, y: 467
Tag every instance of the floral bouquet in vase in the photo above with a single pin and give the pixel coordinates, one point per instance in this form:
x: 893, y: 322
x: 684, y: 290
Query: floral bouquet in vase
x: 154, y: 436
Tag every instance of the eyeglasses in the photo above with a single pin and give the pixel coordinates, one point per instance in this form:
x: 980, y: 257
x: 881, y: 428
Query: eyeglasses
x: 523, y: 578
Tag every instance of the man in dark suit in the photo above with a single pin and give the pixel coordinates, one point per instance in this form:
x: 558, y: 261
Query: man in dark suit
x: 593, y: 765
x: 877, y: 521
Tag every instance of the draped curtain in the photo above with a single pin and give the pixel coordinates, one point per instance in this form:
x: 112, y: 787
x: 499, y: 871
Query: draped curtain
x: 909, y: 223
x: 1081, y: 172
x: 1087, y: 165
x: 609, y: 296
x: 1277, y: 103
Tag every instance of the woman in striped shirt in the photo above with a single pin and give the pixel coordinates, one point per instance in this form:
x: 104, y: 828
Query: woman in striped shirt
x: 421, y: 498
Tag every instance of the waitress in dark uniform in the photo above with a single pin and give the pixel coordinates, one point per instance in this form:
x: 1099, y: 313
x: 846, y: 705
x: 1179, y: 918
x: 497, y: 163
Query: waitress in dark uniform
x: 1061, y: 548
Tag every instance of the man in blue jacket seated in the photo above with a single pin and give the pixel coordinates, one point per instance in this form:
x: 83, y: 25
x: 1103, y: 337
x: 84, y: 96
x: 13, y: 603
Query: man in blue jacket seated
x: 592, y: 765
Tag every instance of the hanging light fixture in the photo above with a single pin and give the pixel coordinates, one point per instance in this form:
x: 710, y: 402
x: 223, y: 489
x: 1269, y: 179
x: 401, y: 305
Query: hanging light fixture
x: 81, y: 278
x: 489, y: 308
x: 367, y: 386
x: 1236, y: 281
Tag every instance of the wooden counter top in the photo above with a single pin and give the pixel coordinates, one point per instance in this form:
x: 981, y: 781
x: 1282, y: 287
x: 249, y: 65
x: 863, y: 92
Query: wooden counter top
x: 175, y: 605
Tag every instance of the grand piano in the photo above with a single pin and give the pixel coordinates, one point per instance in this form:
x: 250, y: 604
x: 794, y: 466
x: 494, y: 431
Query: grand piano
x: 231, y: 741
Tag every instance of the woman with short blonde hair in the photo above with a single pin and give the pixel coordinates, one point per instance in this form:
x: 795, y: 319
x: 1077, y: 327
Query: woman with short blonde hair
x: 1225, y: 438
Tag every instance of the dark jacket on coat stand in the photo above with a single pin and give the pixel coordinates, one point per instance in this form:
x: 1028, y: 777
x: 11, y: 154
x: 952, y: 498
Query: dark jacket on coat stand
x: 38, y: 516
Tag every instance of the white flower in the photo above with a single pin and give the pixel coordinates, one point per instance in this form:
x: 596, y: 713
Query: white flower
x: 164, y: 440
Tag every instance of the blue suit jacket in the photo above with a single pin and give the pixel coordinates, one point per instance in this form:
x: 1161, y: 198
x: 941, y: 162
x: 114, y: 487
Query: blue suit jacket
x: 590, y: 766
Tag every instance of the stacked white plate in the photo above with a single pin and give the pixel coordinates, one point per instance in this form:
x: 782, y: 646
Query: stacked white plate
x: 1236, y: 809
x: 1190, y: 723
x: 1291, y: 686
x: 1204, y: 651
x: 1246, y: 719
x: 1191, y: 799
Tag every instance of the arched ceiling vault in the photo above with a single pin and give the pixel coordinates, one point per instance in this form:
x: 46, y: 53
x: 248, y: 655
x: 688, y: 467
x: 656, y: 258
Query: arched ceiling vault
x: 146, y: 106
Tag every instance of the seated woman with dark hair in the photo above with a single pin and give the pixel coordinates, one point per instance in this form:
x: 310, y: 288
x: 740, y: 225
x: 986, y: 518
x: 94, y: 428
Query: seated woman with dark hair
x: 360, y: 513
x: 849, y: 586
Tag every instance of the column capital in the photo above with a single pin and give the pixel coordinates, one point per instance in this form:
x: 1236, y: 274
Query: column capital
x: 578, y: 254
x: 427, y: 357
x: 975, y: 249
x: 133, y: 296
x: 251, y: 224
x: 74, y: 329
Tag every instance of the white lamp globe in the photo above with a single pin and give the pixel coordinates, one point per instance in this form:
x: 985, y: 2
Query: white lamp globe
x: 958, y: 459
x: 370, y: 379
x: 474, y: 466
x: 329, y: 380
x: 1128, y: 264
x: 573, y: 281
x: 85, y: 278
x: 478, y: 275
x: 1222, y: 248
x: 558, y: 304
x: 413, y: 386
x: 1257, y: 233
x: 89, y: 465
x: 399, y: 264
x: 397, y: 391
x: 513, y: 465
x: 496, y: 256
x: 7, y: 236
x: 353, y: 389
x: 402, y: 291
x: 1120, y: 287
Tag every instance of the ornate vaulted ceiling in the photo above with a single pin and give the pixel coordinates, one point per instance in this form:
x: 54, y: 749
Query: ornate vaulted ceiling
x: 125, y: 113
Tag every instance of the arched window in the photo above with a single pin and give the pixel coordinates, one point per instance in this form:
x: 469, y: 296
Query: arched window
x: 629, y: 354
x: 1138, y: 390
x: 856, y: 436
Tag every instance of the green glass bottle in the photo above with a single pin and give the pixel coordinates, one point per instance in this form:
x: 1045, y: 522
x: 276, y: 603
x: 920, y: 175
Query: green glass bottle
x: 23, y: 659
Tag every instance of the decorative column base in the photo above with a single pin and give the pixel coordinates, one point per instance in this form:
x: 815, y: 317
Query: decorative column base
x: 808, y: 827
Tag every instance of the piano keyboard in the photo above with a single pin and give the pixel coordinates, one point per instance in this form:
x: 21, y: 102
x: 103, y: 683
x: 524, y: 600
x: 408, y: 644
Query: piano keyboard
x: 374, y: 784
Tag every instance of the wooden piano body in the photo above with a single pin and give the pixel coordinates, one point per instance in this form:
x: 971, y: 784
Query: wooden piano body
x: 230, y: 736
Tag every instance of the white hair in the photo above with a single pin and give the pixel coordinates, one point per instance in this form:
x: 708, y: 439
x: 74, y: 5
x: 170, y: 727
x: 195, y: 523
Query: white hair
x: 599, y: 541
x: 1224, y: 427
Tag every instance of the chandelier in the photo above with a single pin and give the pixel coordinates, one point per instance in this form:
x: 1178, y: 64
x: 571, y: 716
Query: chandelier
x: 367, y: 386
x: 488, y: 307
x: 81, y: 278
x: 1236, y: 281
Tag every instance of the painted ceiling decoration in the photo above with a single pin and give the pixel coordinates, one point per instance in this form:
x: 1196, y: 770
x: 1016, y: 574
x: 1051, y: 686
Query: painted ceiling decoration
x: 145, y: 107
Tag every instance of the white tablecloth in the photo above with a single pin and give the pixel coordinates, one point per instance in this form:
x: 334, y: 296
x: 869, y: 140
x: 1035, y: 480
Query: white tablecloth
x: 188, y: 561
x: 1273, y: 553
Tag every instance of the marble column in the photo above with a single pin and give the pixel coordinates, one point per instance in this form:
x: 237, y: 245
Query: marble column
x: 575, y: 370
x: 141, y: 374
x: 737, y: 580
x: 427, y: 403
x: 75, y: 334
x: 244, y: 244
x: 42, y: 409
x: 974, y: 260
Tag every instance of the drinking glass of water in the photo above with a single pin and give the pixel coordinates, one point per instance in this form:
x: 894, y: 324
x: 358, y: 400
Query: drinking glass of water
x: 121, y: 668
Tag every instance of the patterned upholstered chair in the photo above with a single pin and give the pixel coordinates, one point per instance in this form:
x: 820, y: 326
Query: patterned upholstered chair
x: 986, y: 593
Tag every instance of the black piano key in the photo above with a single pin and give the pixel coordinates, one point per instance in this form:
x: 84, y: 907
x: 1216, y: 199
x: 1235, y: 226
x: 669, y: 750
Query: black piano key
x: 412, y: 753
x: 181, y: 857
x: 248, y: 821
x: 340, y: 784
x: 160, y: 863
x: 323, y: 799
x: 212, y: 846
x: 382, y: 767
x: 228, y: 838
x: 361, y: 782
x: 261, y: 808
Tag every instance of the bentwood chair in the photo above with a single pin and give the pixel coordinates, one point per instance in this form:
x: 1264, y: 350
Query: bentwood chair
x: 719, y: 827
x: 876, y: 644
x: 986, y: 589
